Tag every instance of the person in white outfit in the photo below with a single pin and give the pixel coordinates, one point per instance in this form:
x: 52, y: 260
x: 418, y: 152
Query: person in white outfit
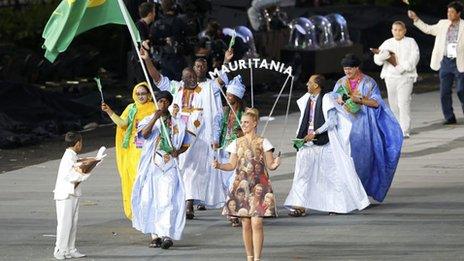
x: 325, y: 176
x: 398, y: 57
x: 66, y: 195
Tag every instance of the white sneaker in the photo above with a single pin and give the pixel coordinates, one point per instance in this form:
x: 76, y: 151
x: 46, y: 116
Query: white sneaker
x: 74, y: 254
x: 59, y: 255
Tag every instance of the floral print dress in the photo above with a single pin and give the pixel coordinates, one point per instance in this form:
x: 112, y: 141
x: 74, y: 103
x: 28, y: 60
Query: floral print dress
x: 251, y: 193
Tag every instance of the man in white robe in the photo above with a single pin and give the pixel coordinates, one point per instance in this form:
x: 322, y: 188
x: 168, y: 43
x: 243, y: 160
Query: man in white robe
x: 214, y: 195
x: 158, y: 196
x: 325, y: 178
x: 198, y: 107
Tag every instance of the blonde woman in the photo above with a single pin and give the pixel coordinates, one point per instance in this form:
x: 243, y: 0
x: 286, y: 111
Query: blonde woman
x: 252, y: 214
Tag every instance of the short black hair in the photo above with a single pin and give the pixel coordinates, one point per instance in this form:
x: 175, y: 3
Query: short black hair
x: 351, y: 60
x: 164, y: 94
x: 71, y: 138
x: 145, y: 9
x: 456, y: 5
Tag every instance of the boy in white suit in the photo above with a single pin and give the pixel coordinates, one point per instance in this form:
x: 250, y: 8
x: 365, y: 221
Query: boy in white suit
x: 71, y: 173
x: 398, y: 57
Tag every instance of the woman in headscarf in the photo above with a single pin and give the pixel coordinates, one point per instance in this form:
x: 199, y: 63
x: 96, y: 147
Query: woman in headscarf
x: 128, y: 144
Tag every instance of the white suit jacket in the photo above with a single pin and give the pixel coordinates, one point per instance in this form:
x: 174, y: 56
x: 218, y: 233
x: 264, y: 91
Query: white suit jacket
x: 439, y: 30
x: 68, y: 177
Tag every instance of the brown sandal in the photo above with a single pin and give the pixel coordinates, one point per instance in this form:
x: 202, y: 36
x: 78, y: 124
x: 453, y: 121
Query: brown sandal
x: 297, y: 213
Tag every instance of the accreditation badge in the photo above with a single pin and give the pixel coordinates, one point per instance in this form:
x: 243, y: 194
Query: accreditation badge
x: 451, y: 50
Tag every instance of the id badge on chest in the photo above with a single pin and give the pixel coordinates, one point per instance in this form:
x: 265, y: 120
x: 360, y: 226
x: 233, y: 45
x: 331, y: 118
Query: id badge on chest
x: 451, y: 50
x: 310, y: 128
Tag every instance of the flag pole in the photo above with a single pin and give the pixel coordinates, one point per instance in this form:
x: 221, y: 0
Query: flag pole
x: 128, y: 20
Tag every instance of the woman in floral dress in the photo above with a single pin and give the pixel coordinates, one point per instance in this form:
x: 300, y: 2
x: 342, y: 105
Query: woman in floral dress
x: 251, y: 157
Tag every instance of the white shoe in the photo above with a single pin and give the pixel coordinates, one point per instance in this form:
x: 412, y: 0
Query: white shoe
x: 74, y: 254
x: 59, y: 255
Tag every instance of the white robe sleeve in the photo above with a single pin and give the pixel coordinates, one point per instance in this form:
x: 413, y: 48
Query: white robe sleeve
x: 163, y: 84
x: 167, y: 85
x: 330, y: 123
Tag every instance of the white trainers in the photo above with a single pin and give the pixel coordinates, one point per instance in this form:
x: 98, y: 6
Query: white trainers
x: 74, y: 254
x: 59, y: 255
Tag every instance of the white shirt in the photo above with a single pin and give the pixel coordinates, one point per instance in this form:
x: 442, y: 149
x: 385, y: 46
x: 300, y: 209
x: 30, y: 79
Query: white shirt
x: 407, y: 57
x: 68, y: 177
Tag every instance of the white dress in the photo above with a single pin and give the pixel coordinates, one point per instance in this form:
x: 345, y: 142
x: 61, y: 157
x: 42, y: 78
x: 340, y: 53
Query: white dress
x: 325, y: 178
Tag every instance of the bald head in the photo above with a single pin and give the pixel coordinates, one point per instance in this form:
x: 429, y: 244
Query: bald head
x: 315, y: 83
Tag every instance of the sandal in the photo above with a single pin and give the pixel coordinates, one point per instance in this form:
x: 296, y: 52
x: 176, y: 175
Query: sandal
x: 235, y: 222
x: 297, y: 213
x: 167, y: 243
x: 155, y: 243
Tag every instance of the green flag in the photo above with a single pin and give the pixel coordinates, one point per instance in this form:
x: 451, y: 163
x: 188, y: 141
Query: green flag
x: 73, y: 17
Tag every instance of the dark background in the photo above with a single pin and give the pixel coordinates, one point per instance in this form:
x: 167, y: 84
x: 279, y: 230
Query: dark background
x: 41, y: 101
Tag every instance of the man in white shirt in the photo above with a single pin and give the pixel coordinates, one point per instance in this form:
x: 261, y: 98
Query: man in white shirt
x: 447, y: 55
x: 398, y: 57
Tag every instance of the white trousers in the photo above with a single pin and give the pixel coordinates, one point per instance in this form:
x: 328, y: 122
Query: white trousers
x: 67, y: 212
x: 399, y: 97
